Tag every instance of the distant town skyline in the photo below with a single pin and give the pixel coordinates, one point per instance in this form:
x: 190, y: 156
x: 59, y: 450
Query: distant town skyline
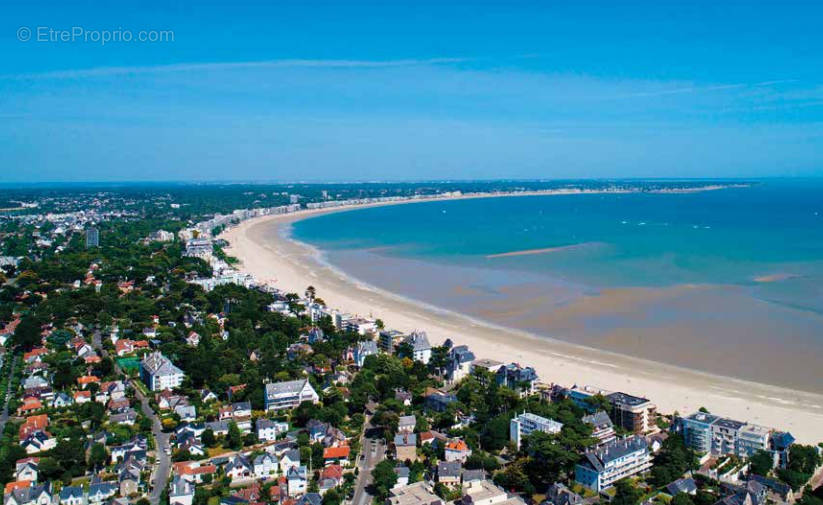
x: 409, y: 91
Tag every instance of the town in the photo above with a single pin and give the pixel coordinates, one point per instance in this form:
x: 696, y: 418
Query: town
x: 141, y: 366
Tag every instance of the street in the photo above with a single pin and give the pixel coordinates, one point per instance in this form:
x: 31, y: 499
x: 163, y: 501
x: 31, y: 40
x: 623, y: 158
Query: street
x: 160, y: 473
x: 4, y: 416
x: 373, y: 452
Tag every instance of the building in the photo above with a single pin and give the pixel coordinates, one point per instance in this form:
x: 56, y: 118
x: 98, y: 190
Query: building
x: 268, y: 430
x: 181, y: 491
x: 633, y: 413
x: 418, y: 493
x: 159, y: 373
x: 708, y: 433
x: 527, y: 423
x: 364, y: 349
x: 92, y: 238
x: 602, y: 426
x: 448, y: 473
x: 405, y: 447
x: 457, y: 450
x: 406, y: 424
x: 387, y: 340
x: 485, y: 492
x: 289, y: 394
x: 420, y: 346
x: 520, y: 379
x: 604, y: 466
x: 460, y: 363
x: 559, y: 494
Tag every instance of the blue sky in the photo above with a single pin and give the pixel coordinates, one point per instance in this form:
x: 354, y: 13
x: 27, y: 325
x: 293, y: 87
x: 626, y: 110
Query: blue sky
x: 418, y: 90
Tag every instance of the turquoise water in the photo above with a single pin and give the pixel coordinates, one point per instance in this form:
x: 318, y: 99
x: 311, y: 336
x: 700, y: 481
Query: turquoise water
x: 759, y: 250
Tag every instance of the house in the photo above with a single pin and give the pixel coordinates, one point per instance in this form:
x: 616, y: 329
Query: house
x: 194, y: 471
x: 265, y: 465
x: 364, y: 349
x: 605, y: 465
x: 186, y: 412
x: 685, y: 485
x: 29, y: 495
x: 527, y: 423
x: 439, y: 401
x: 297, y: 480
x: 420, y: 346
x: 193, y: 339
x: 602, y: 426
x: 337, y: 455
x: 559, y: 494
x: 406, y: 424
x: 330, y: 477
x: 30, y: 405
x: 136, y: 445
x: 448, y: 473
x: 473, y: 475
x: 403, y: 397
x: 419, y: 493
x: 403, y: 473
x: 85, y: 380
x: 457, y: 450
x: 158, y: 372
x: 405, y: 447
x: 38, y: 441
x: 81, y: 397
x: 459, y: 365
x: 290, y: 459
x: 239, y: 468
x: 520, y: 379
x: 289, y: 394
x: 268, y: 430
x: 27, y: 469
x: 181, y: 491
x: 61, y: 400
x: 100, y: 491
x: 310, y: 499
x: 128, y: 479
x: 72, y: 495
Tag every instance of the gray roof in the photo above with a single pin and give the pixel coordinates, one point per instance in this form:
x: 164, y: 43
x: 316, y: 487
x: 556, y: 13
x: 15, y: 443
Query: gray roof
x: 682, y: 486
x: 616, y: 449
x: 405, y: 439
x: 278, y: 388
x: 449, y: 469
x: 599, y: 418
x: 402, y: 471
x: 157, y: 364
x: 419, y: 341
x: 71, y: 492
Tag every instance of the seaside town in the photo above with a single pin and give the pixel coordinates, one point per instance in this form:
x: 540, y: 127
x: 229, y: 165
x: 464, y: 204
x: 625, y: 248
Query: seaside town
x: 141, y: 366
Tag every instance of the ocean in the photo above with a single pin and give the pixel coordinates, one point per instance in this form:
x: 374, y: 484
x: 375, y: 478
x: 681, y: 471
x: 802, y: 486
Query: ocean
x: 728, y: 281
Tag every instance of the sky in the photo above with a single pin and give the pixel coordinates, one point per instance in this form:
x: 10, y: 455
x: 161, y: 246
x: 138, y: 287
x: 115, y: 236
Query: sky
x: 344, y: 91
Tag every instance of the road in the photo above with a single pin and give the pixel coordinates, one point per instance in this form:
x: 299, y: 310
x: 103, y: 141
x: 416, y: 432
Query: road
x: 4, y: 415
x: 373, y: 452
x: 160, y: 473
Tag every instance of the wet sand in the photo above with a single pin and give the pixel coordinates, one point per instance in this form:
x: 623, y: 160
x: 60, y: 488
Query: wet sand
x: 272, y: 257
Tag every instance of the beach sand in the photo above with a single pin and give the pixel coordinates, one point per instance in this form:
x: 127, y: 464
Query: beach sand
x: 266, y: 252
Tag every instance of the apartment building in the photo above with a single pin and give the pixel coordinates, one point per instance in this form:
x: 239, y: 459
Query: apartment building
x: 527, y: 423
x: 289, y: 394
x: 708, y: 433
x: 604, y: 466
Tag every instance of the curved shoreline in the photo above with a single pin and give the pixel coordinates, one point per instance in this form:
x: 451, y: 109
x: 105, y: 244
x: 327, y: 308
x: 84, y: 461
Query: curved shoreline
x: 275, y: 258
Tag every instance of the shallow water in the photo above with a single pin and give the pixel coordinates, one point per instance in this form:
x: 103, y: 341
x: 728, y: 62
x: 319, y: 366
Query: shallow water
x: 725, y: 281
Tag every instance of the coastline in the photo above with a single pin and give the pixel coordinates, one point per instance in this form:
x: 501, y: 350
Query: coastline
x: 266, y: 252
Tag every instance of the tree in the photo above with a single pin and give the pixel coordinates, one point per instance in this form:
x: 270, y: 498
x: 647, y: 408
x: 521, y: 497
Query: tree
x: 761, y: 462
x: 332, y: 497
x: 682, y: 499
x: 383, y: 479
x: 208, y: 438
x: 27, y: 333
x: 97, y: 456
x: 626, y: 493
x: 234, y: 439
x: 673, y: 460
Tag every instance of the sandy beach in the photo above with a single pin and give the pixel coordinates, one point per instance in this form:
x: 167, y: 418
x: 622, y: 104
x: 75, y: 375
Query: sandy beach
x: 266, y: 251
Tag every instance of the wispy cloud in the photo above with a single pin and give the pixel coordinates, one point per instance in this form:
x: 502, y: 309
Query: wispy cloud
x: 700, y: 89
x: 239, y: 65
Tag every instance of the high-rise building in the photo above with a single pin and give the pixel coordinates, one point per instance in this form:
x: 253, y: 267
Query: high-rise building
x: 92, y: 238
